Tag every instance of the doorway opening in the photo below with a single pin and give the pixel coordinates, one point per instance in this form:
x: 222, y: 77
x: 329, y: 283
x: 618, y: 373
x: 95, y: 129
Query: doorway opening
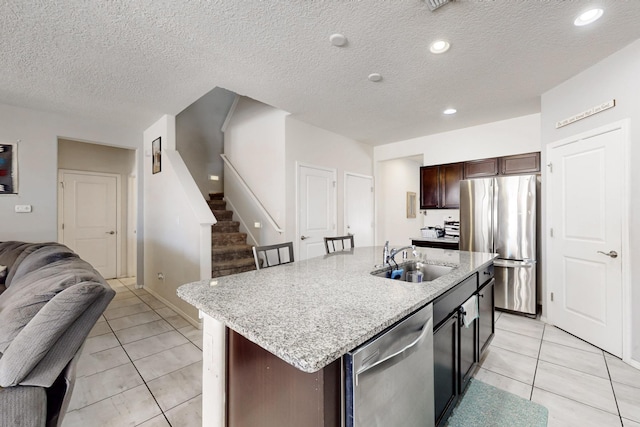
x: 97, y: 205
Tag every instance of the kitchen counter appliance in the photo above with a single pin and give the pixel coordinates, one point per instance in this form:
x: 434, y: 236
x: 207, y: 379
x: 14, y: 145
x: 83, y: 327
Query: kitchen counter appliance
x: 499, y: 215
x: 389, y: 380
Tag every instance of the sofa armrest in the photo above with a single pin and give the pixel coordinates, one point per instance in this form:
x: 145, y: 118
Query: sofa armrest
x: 42, y: 349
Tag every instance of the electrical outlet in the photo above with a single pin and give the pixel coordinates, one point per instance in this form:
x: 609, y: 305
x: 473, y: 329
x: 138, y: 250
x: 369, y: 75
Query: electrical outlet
x: 23, y: 208
x: 257, y: 225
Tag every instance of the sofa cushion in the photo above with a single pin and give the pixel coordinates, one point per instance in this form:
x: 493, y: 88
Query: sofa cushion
x: 13, y: 253
x: 23, y: 407
x: 38, y: 256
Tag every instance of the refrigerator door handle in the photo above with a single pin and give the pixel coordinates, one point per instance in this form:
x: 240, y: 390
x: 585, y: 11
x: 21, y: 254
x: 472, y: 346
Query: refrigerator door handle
x: 507, y: 263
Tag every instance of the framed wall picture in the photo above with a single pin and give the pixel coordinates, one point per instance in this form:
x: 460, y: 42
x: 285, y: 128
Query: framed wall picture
x: 411, y: 204
x: 8, y: 168
x: 156, y: 155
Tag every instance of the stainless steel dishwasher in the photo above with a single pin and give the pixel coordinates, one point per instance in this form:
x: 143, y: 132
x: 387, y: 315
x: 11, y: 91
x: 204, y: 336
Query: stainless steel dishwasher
x: 389, y: 380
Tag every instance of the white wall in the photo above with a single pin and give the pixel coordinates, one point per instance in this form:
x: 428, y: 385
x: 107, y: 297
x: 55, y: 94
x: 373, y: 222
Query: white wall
x: 38, y: 133
x: 503, y: 138
x: 177, y: 223
x: 254, y: 142
x: 199, y: 138
x: 616, y: 77
x: 395, y: 179
x: 315, y: 146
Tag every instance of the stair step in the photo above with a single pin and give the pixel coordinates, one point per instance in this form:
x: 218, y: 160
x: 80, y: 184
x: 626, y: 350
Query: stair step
x: 228, y: 253
x: 217, y: 204
x: 222, y: 215
x: 228, y: 239
x: 216, y: 196
x: 225, y: 227
x: 235, y: 266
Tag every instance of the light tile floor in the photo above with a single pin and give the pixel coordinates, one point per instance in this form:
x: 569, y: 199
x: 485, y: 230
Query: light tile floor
x: 142, y: 366
x: 578, y: 383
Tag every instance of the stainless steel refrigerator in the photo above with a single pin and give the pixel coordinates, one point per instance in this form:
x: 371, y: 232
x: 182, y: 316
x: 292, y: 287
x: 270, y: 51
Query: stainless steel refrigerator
x: 499, y: 215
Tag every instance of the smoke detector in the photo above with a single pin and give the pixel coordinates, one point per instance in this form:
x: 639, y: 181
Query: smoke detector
x: 435, y: 4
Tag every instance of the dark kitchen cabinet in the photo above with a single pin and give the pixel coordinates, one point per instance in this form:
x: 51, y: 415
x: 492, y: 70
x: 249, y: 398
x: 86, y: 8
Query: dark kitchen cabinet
x: 468, y: 351
x: 440, y: 186
x: 481, y: 168
x: 429, y: 187
x: 456, y: 348
x: 519, y: 164
x: 486, y: 325
x: 445, y: 374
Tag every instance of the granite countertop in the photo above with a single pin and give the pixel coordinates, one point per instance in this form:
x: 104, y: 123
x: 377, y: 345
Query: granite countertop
x: 309, y: 313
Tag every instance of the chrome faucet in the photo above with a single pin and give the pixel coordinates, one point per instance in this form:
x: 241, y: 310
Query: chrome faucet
x: 385, y: 253
x: 394, y: 252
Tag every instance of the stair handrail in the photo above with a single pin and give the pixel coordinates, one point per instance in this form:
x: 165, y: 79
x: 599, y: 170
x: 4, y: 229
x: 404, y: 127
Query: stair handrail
x: 273, y: 223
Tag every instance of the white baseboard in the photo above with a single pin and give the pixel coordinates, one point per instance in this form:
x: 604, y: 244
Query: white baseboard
x: 195, y: 322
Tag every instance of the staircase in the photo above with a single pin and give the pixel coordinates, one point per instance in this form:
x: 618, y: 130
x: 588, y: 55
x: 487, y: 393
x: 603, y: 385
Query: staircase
x: 230, y: 253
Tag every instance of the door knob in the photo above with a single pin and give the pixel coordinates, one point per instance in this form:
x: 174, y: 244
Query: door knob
x: 612, y: 254
x: 111, y: 232
x: 304, y: 237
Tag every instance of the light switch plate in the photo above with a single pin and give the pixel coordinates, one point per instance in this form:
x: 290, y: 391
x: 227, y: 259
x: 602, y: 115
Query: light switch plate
x: 23, y: 208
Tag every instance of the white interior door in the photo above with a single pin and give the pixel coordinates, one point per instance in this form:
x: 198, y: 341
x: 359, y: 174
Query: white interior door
x: 316, y: 209
x: 358, y: 208
x: 585, y: 200
x: 90, y: 218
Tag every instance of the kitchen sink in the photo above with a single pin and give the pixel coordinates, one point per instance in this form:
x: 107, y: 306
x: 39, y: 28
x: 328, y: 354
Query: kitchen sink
x: 412, y: 270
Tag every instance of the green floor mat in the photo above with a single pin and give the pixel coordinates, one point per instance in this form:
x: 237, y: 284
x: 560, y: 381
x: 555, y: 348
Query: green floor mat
x: 485, y: 405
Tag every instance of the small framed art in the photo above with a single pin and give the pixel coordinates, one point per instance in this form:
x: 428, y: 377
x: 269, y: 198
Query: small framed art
x: 156, y: 155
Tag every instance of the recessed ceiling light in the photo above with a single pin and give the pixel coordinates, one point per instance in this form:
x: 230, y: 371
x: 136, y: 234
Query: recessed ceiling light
x: 439, y: 46
x: 375, y: 77
x: 338, y: 39
x: 450, y: 111
x: 588, y: 17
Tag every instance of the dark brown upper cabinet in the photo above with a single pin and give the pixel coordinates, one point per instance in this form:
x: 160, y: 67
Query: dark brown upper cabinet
x: 519, y: 164
x: 481, y: 168
x: 440, y: 186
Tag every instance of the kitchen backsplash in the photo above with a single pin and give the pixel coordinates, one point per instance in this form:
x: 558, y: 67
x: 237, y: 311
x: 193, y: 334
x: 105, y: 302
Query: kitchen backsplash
x: 437, y: 217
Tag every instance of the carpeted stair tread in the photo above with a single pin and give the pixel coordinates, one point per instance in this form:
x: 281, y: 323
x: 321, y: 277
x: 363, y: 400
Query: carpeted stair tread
x: 230, y: 253
x: 224, y: 253
x: 222, y: 215
x: 227, y: 239
x: 225, y: 227
x: 217, y: 204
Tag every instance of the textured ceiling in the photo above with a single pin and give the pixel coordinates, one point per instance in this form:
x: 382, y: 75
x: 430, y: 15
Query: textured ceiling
x: 131, y: 61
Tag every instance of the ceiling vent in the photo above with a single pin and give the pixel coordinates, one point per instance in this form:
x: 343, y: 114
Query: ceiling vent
x: 434, y: 4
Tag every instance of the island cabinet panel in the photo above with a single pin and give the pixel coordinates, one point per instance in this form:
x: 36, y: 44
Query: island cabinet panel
x: 265, y: 391
x: 486, y: 326
x: 520, y: 164
x: 481, y: 168
x: 445, y: 364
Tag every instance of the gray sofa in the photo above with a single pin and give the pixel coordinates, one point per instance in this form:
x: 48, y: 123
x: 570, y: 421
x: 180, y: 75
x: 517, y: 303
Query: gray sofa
x: 50, y: 299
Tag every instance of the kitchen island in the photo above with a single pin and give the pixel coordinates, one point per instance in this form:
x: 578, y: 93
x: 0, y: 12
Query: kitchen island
x: 310, y: 313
